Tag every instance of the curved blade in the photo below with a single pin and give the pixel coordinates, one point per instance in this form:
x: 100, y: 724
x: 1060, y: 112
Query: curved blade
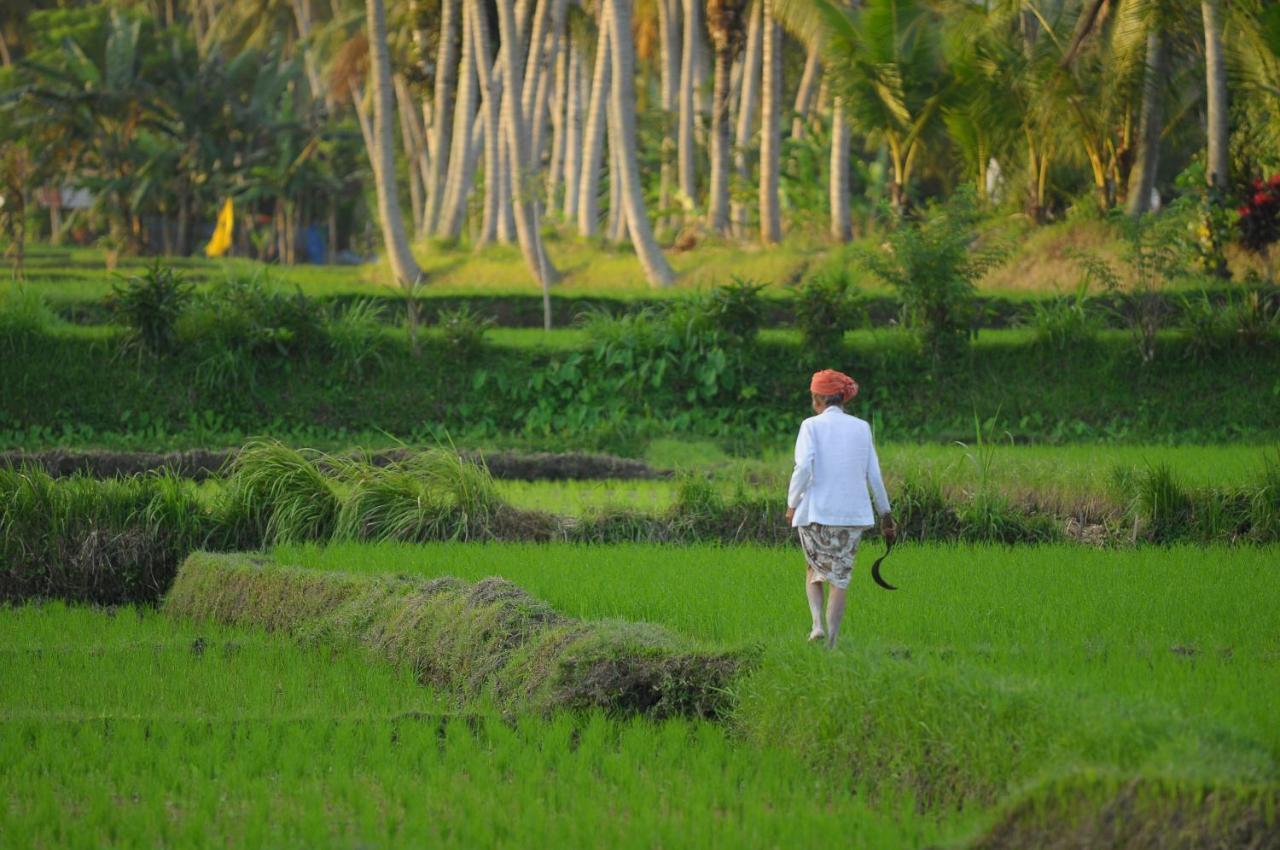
x: 875, y: 568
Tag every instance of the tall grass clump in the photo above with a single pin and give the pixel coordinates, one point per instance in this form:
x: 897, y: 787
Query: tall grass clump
x: 356, y: 336
x: 432, y: 495
x: 81, y: 539
x: 24, y: 316
x: 277, y: 494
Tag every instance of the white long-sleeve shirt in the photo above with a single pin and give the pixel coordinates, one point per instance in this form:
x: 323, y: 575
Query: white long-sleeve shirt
x: 836, y: 466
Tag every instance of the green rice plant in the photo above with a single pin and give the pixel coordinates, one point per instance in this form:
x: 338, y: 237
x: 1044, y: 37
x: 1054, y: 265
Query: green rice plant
x: 276, y: 494
x: 355, y: 336
x: 1163, y: 505
x: 1208, y: 327
x: 991, y: 517
x: 1264, y: 502
x: 922, y: 511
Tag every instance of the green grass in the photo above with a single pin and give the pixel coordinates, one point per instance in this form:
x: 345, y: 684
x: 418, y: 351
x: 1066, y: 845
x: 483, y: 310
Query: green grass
x: 1061, y: 478
x: 251, y: 742
x: 989, y: 668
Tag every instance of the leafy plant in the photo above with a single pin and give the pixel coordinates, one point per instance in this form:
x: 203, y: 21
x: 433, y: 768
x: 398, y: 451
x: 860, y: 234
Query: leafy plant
x: 826, y: 305
x: 1259, y: 215
x: 463, y: 330
x: 150, y: 305
x: 737, y: 309
x: 934, y: 265
x: 1156, y: 254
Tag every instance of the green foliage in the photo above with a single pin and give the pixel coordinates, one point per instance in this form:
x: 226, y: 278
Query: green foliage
x: 278, y: 494
x: 463, y: 330
x: 1066, y: 325
x: 737, y: 309
x: 934, y: 265
x: 150, y: 306
x: 1156, y: 255
x: 826, y: 305
x: 85, y: 540
x: 356, y: 336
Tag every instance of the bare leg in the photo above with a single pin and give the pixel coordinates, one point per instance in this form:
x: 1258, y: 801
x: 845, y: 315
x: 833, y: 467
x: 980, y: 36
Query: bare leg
x: 835, y: 613
x: 813, y: 590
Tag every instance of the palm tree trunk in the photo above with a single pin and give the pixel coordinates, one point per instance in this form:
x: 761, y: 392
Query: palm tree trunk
x: 414, y: 155
x: 1218, y: 171
x: 669, y: 67
x: 448, y: 66
x: 1142, y: 179
x: 502, y: 182
x: 382, y: 156
x: 490, y: 90
x: 841, y: 220
x: 615, y: 228
x: 770, y: 127
x: 527, y: 232
x: 806, y: 92
x: 746, y: 113
x: 593, y: 143
x: 453, y: 210
x: 686, y: 173
x: 573, y: 136
x: 718, y: 205
x: 622, y: 134
x: 559, y: 110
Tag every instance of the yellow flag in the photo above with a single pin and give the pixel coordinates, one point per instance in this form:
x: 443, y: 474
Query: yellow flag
x: 220, y: 243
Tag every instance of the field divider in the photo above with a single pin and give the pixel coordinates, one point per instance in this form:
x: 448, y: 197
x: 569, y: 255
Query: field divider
x: 488, y: 640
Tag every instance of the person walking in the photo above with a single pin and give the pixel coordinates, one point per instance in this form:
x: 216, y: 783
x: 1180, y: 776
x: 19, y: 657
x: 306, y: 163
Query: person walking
x: 835, y: 480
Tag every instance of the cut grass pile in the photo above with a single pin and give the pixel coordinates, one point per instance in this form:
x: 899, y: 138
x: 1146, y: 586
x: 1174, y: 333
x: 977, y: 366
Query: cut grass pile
x: 158, y: 732
x: 488, y: 639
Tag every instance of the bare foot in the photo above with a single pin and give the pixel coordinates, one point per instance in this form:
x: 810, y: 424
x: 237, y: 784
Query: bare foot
x: 816, y: 634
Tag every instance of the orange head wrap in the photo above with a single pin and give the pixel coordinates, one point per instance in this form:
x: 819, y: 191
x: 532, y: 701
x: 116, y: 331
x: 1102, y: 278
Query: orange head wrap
x: 829, y: 382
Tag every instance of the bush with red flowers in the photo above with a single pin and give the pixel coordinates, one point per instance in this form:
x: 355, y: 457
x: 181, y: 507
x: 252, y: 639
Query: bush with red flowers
x: 1260, y: 215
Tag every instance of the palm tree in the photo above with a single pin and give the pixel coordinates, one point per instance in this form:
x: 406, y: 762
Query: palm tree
x: 522, y: 203
x: 746, y: 111
x: 685, y: 172
x: 622, y: 135
x: 1215, y: 68
x: 593, y: 137
x: 441, y: 137
x: 1142, y: 180
x: 382, y: 157
x: 724, y: 23
x: 885, y: 61
x: 770, y: 126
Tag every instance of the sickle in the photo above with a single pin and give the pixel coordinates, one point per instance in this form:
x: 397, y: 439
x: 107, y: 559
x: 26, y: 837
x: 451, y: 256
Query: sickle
x: 875, y: 568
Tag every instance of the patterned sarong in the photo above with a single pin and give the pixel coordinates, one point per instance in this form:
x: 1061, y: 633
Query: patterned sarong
x: 829, y: 551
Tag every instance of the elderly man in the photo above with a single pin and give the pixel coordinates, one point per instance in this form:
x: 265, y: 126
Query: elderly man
x: 836, y: 477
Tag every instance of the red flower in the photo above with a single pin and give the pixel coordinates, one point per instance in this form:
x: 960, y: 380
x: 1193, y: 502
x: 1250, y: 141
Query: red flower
x: 1257, y: 184
x: 1244, y: 211
x: 1262, y: 199
x: 1275, y: 182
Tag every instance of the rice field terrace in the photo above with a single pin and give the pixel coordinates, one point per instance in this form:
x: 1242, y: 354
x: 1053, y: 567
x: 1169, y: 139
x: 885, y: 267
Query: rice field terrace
x: 1046, y: 696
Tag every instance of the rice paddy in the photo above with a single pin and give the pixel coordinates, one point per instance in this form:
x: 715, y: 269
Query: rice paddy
x: 994, y: 673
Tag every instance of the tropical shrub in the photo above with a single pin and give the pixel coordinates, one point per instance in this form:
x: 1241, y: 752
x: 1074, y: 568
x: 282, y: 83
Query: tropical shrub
x: 934, y: 264
x: 826, y: 305
x: 736, y: 309
x: 463, y: 330
x: 150, y: 305
x: 1259, y: 220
